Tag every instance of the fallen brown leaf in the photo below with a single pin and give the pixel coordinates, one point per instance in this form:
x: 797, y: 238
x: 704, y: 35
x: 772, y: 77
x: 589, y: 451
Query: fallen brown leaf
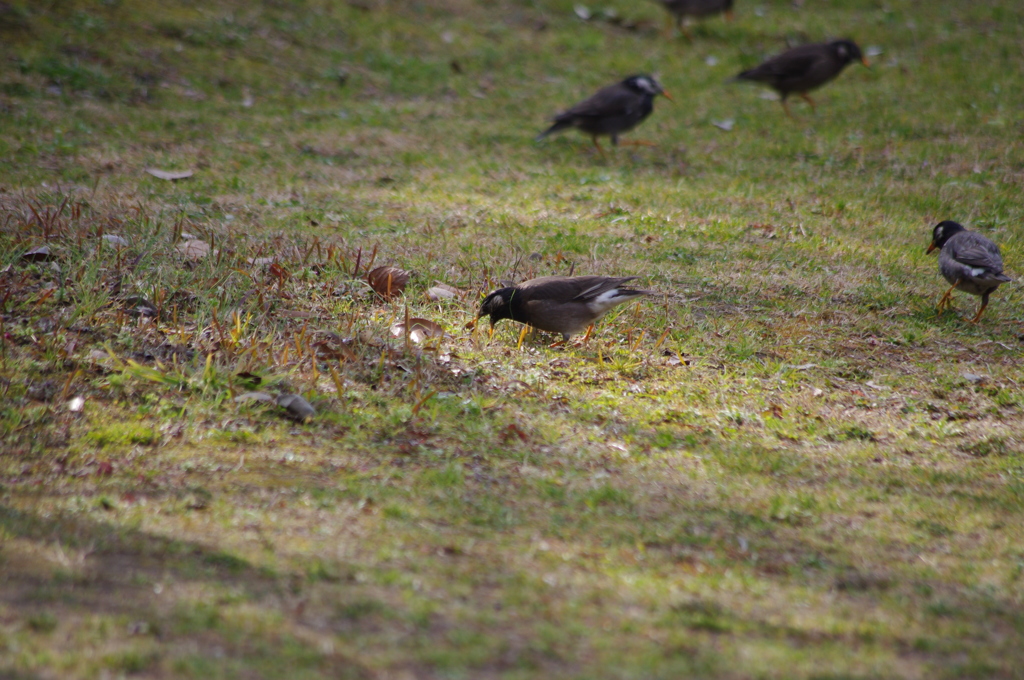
x: 193, y: 250
x: 388, y: 282
x: 40, y: 254
x: 419, y: 329
x: 442, y: 291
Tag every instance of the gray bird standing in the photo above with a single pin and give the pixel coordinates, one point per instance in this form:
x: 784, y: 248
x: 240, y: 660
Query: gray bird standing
x: 612, y: 110
x: 805, y: 68
x: 969, y: 261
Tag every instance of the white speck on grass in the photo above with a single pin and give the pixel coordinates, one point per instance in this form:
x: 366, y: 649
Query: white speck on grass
x: 726, y: 124
x: 873, y: 50
x: 801, y: 367
x: 711, y: 60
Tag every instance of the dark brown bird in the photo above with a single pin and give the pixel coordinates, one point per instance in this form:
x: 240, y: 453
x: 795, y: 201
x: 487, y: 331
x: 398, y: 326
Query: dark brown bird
x: 559, y: 304
x: 969, y: 261
x: 805, y: 68
x: 680, y: 10
x: 612, y: 110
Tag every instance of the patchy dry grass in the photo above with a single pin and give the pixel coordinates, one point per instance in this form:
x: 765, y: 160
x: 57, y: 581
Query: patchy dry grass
x: 784, y: 466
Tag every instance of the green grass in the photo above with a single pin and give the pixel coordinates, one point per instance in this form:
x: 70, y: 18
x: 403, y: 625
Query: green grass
x: 774, y: 469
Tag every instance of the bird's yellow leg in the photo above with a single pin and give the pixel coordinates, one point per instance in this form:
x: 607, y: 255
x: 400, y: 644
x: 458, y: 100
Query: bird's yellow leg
x: 981, y: 309
x: 807, y: 98
x: 785, y: 107
x: 637, y: 142
x: 944, y: 300
x: 597, y: 145
x: 590, y: 330
x: 522, y: 336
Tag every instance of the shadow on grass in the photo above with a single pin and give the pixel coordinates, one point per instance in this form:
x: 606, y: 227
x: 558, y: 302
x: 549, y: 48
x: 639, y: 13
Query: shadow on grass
x: 165, y: 591
x: 512, y: 626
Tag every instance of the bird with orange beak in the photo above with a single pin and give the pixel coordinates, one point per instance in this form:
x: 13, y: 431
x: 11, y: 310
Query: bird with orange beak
x: 612, y: 110
x: 805, y: 68
x: 969, y: 261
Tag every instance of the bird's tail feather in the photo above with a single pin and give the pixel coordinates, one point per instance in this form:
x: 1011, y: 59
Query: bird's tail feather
x: 559, y: 125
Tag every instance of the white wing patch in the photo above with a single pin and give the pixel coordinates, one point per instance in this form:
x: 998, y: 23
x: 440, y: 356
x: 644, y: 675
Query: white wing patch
x: 608, y: 299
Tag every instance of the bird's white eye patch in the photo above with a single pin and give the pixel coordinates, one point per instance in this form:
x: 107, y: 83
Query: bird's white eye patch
x: 645, y: 84
x: 938, y: 232
x: 842, y: 50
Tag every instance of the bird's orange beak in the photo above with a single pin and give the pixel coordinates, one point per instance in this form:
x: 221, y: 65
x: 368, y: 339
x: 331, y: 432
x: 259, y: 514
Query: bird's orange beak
x: 931, y: 247
x: 864, y: 60
x: 667, y: 96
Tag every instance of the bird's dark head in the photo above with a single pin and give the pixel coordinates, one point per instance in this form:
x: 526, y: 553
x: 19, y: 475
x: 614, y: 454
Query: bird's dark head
x: 942, y: 232
x: 848, y: 51
x: 642, y: 84
x: 497, y: 305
